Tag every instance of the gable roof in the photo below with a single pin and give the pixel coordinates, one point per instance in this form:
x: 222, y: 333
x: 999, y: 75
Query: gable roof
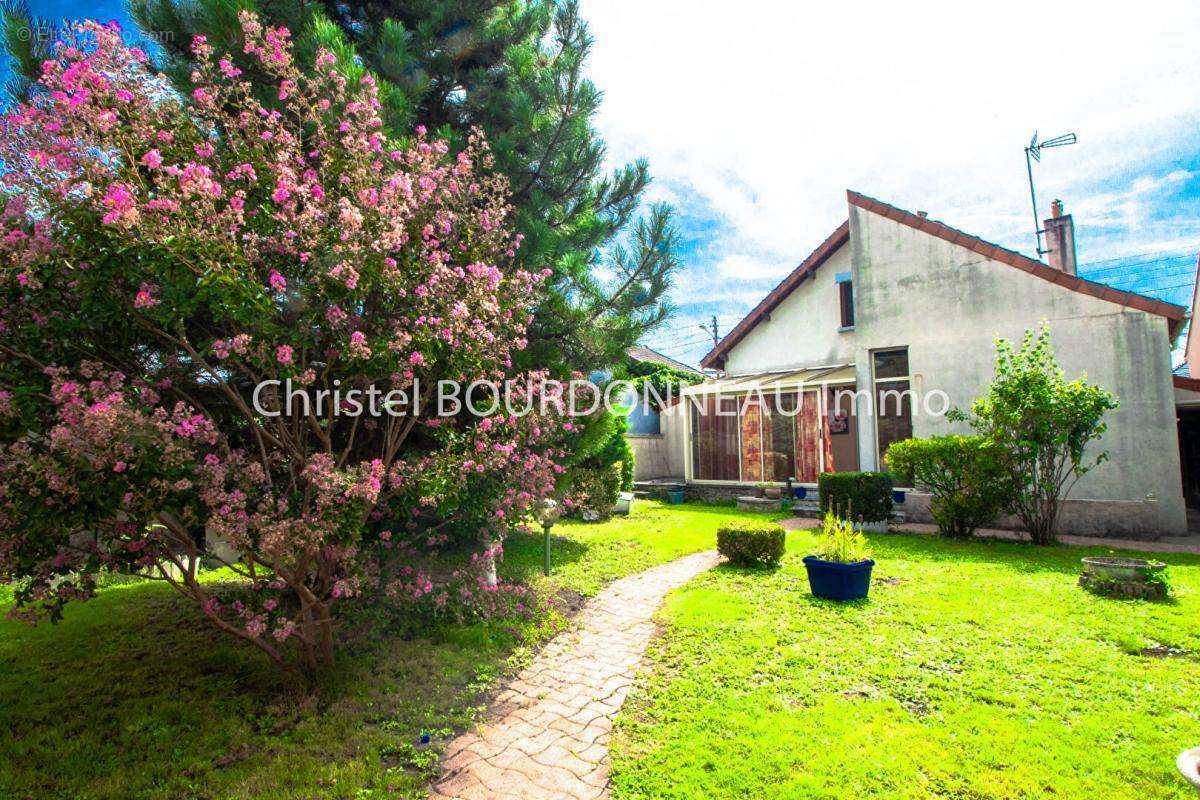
x: 777, y: 295
x: 1174, y: 314
x: 642, y: 353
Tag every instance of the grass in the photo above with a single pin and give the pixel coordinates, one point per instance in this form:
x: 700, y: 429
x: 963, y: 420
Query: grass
x: 586, y: 557
x: 974, y: 670
x: 129, y: 697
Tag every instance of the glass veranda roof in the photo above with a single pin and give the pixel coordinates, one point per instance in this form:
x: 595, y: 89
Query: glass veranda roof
x: 772, y: 381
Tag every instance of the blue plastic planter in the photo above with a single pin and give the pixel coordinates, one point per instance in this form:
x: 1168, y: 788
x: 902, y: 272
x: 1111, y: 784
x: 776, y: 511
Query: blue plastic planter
x: 800, y: 492
x: 898, y: 497
x: 836, y: 581
x: 675, y: 496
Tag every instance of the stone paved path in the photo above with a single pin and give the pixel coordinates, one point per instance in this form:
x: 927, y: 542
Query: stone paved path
x: 548, y: 730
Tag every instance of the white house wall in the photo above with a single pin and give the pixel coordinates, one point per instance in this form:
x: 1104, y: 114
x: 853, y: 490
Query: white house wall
x: 802, y: 330
x: 947, y: 304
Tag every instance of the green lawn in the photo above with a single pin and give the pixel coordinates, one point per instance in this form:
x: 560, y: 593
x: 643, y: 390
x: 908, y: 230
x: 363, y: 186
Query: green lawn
x: 129, y: 698
x: 975, y: 670
x: 592, y: 555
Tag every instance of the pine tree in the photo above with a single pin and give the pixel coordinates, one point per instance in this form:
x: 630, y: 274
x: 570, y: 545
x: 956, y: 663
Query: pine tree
x: 27, y: 41
x: 515, y: 69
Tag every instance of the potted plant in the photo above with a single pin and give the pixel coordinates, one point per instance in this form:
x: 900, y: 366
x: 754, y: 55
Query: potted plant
x: 841, y: 567
x: 1189, y: 766
x: 771, y: 491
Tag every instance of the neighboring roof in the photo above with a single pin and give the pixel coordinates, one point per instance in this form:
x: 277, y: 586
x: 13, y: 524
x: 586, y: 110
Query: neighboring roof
x: 1174, y: 314
x: 641, y: 353
x: 806, y: 267
x: 1181, y: 382
x: 1189, y: 354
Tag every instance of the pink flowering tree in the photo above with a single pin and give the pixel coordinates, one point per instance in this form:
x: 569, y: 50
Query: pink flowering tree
x: 171, y: 263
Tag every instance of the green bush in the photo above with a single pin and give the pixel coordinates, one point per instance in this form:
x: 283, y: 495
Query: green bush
x: 967, y: 478
x: 601, y: 443
x: 856, y: 495
x: 751, y: 543
x: 838, y: 541
x: 1045, y: 425
x: 594, y: 490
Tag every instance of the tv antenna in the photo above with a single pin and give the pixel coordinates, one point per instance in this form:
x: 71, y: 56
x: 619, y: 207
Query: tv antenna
x: 1034, y: 153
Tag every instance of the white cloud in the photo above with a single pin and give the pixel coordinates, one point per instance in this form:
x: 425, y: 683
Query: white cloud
x: 743, y: 267
x: 770, y: 112
x: 762, y: 115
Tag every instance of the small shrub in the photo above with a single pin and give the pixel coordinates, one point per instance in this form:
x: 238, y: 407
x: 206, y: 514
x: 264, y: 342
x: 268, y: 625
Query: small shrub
x: 840, y: 542
x: 593, y: 491
x: 856, y: 495
x: 751, y: 543
x: 967, y: 478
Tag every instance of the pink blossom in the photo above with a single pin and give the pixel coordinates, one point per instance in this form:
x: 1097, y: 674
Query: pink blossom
x: 121, y: 206
x: 358, y: 345
x: 145, y: 297
x: 283, y: 354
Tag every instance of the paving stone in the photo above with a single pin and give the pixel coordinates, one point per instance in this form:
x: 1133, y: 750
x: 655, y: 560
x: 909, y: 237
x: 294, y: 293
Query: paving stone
x: 547, y: 733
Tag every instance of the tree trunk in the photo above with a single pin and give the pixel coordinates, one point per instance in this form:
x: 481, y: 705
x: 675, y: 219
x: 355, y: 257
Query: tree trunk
x: 489, y: 568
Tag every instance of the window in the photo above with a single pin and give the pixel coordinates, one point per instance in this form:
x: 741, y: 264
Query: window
x: 779, y: 436
x: 715, y: 451
x: 891, y: 364
x: 846, y: 293
x: 893, y: 400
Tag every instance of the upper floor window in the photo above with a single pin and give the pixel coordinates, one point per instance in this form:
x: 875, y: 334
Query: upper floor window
x: 846, y: 299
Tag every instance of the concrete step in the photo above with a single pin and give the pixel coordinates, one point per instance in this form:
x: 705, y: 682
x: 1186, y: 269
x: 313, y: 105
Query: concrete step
x: 812, y: 510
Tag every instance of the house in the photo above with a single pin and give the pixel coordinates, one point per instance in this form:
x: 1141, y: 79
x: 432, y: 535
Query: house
x: 1187, y: 402
x: 891, y: 321
x: 656, y: 451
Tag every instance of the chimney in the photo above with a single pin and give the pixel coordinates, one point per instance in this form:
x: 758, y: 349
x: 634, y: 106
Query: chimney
x: 1060, y: 239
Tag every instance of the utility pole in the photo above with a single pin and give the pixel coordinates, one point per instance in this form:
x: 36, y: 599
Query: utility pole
x: 713, y: 331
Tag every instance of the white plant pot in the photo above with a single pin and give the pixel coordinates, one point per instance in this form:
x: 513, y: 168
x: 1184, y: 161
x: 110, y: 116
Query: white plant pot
x: 1189, y: 766
x: 624, y: 503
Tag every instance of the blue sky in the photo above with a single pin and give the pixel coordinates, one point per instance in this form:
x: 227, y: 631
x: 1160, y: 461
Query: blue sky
x: 757, y: 118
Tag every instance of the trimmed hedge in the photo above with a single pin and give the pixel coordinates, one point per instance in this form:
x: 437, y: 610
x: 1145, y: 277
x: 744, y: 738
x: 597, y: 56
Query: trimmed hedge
x: 751, y: 543
x: 856, y: 495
